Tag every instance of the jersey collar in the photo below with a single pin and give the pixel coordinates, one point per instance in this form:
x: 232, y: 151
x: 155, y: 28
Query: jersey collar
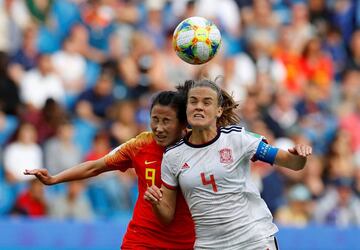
x: 187, y: 142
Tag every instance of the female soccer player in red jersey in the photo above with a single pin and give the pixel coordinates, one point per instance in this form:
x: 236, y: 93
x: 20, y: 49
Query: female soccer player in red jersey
x: 144, y: 154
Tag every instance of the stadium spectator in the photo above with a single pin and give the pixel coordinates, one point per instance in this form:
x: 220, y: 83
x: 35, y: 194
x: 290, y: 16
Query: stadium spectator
x: 319, y: 14
x: 141, y: 70
x: 353, y: 60
x: 124, y: 125
x: 288, y: 54
x: 316, y: 121
x: 339, y: 205
x: 317, y: 66
x: 350, y: 122
x: 24, y: 58
x: 41, y: 83
x: 80, y: 36
x: 297, y: 212
x: 334, y: 45
x: 25, y: 146
x: 240, y: 75
x: 174, y: 71
x: 357, y: 174
x: 152, y: 25
x: 31, y: 202
x: 96, y: 16
x: 93, y: 104
x: 343, y: 15
x: 301, y: 28
x: 314, y: 173
x: 345, y: 100
x: 14, y: 17
x: 72, y: 204
x: 281, y: 116
x: 9, y: 92
x: 260, y: 21
x: 340, y: 162
x: 70, y: 65
x: 46, y: 120
x: 60, y: 151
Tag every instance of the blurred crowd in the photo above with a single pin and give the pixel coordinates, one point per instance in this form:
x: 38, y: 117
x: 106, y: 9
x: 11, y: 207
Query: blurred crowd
x: 76, y: 78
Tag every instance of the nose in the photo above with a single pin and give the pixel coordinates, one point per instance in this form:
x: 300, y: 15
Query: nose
x: 199, y: 106
x: 159, y: 128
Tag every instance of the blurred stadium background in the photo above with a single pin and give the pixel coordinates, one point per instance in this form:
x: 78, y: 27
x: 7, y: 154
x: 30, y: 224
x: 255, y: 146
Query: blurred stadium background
x: 76, y: 77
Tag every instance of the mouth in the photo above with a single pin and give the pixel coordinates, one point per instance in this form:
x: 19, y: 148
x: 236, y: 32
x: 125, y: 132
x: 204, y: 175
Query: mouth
x: 199, y: 116
x: 161, y: 137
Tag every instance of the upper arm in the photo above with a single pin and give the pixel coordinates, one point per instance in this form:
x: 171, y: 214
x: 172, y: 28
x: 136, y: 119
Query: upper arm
x: 99, y: 166
x: 121, y: 157
x: 168, y: 176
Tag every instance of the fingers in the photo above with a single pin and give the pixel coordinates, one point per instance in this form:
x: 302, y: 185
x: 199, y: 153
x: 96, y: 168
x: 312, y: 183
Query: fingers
x: 29, y: 172
x: 40, y: 174
x: 34, y: 171
x: 301, y: 150
x: 153, y: 194
x: 292, y: 150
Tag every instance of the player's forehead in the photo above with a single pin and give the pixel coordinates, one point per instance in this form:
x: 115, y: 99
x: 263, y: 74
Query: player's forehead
x: 202, y: 92
x: 162, y: 111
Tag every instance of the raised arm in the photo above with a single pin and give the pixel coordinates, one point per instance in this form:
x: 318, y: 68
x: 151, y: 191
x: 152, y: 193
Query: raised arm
x: 295, y: 158
x: 82, y: 171
x: 163, y: 202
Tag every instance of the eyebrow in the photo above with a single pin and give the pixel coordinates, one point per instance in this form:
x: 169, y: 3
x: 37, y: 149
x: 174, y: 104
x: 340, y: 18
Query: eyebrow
x: 206, y: 98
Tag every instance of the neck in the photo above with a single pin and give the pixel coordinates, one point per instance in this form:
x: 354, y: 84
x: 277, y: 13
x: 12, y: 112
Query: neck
x: 202, y: 135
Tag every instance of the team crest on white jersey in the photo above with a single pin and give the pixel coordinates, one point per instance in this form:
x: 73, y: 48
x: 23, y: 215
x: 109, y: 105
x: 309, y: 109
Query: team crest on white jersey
x: 226, y: 155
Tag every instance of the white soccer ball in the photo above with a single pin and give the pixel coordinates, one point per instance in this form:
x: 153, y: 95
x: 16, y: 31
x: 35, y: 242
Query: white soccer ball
x: 196, y: 40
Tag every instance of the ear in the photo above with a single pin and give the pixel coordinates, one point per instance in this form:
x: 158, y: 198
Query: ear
x: 219, y: 112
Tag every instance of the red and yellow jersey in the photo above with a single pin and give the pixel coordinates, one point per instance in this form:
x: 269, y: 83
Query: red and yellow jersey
x: 145, y: 230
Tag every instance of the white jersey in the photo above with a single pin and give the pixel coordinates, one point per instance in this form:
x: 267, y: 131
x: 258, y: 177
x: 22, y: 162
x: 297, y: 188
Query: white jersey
x: 215, y: 180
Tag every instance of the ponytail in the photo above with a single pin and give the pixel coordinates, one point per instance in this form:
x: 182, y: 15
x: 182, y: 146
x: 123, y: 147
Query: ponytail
x: 229, y: 115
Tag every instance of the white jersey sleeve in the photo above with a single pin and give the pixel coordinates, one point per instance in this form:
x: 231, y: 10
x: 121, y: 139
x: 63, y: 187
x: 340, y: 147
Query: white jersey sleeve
x: 250, y: 142
x: 168, y: 174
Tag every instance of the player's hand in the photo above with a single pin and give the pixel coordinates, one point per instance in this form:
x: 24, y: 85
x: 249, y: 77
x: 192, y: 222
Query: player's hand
x: 41, y: 174
x: 153, y: 195
x: 301, y: 150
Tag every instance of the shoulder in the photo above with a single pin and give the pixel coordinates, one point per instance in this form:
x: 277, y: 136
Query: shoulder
x: 135, y: 144
x: 231, y: 129
x: 144, y: 137
x: 239, y: 130
x: 141, y: 140
x: 175, y: 147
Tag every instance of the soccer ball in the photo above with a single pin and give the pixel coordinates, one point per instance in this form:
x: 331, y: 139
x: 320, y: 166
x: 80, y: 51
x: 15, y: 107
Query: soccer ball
x: 196, y: 40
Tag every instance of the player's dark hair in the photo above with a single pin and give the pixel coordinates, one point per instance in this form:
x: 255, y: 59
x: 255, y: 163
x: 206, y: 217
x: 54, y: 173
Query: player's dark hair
x: 225, y: 100
x: 175, y: 100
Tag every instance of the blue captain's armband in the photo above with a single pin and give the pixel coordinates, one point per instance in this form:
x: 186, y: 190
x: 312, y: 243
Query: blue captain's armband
x: 266, y: 153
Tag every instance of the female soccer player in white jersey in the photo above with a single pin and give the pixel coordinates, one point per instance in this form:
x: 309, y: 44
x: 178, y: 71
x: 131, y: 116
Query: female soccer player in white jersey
x: 211, y: 166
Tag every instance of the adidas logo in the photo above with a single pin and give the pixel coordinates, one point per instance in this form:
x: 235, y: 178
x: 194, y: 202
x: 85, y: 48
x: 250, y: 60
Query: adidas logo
x: 185, y: 166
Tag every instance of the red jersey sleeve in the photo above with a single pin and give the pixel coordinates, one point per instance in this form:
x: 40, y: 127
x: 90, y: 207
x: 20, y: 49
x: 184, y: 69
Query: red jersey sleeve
x: 121, y: 157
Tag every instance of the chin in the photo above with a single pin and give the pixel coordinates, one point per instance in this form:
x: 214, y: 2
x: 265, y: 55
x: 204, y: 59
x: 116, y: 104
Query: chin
x: 199, y: 124
x: 163, y: 143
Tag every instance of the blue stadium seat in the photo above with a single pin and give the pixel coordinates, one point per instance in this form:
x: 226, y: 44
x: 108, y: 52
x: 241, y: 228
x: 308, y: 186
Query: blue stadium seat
x: 84, y: 134
x: 7, y: 197
x: 92, y: 73
x: 11, y: 124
